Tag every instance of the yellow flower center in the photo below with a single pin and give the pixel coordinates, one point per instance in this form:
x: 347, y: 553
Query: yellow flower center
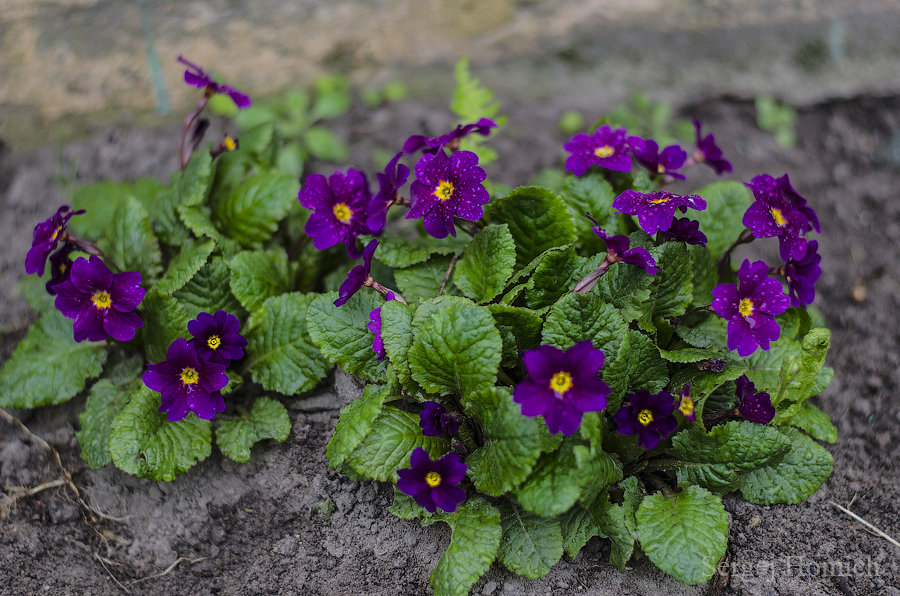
x: 686, y: 406
x: 604, y: 151
x: 190, y: 376
x: 660, y: 169
x: 432, y: 479
x: 214, y: 342
x: 101, y: 300
x: 745, y: 307
x: 561, y: 382
x: 444, y: 190
x: 779, y: 218
x: 342, y: 212
x: 63, y: 267
x: 664, y: 199
x: 645, y: 417
x: 230, y: 144
x: 56, y: 232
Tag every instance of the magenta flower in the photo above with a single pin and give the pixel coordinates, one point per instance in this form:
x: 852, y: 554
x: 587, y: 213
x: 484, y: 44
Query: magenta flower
x: 374, y: 325
x: 435, y: 420
x: 187, y: 383
x: 655, y: 210
x: 433, y: 483
x: 216, y: 337
x: 801, y: 276
x: 197, y: 77
x: 389, y: 183
x: 46, y: 237
x: 447, y: 187
x: 649, y: 416
x: 450, y: 140
x: 606, y: 148
x: 339, y: 207
x: 751, y: 308
x: 358, y: 276
x: 686, y: 404
x: 101, y: 302
x: 663, y: 164
x: 687, y: 231
x: 708, y: 152
x: 562, y: 385
x: 780, y: 211
x: 755, y: 407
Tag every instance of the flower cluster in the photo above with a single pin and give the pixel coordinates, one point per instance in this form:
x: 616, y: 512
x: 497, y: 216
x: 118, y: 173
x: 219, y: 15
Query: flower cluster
x: 435, y: 420
x: 779, y: 211
x: 655, y: 210
x: 47, y: 235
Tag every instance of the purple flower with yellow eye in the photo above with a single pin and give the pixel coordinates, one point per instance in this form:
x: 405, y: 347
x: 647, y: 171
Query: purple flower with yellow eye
x: 801, y: 276
x: 187, y: 383
x: 433, y: 483
x: 435, y: 420
x: 753, y: 406
x: 562, y: 385
x: 358, y: 276
x: 47, y: 236
x: 339, y: 205
x: 649, y: 416
x: 60, y: 267
x: 101, y: 302
x: 447, y: 187
x: 197, y: 77
x: 779, y: 211
x: 450, y: 140
x: 687, y: 231
x: 750, y: 308
x: 606, y: 148
x: 655, y: 210
x: 216, y: 337
x: 374, y: 325
x: 708, y: 152
x: 663, y: 163
x: 389, y: 183
x: 686, y: 404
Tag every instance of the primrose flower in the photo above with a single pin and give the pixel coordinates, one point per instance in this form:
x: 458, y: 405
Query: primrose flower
x: 686, y: 404
x: 374, y: 325
x: 655, y: 210
x: 197, y: 77
x: 750, y: 308
x: 435, y: 420
x: 687, y: 231
x: 802, y: 275
x: 60, y: 267
x: 447, y: 187
x: 755, y: 407
x: 101, y: 302
x: 780, y: 211
x: 187, y: 382
x: 358, y: 276
x: 339, y: 207
x: 216, y: 337
x: 665, y: 163
x: 562, y: 385
x: 433, y: 483
x: 389, y: 183
x: 46, y: 237
x: 606, y: 148
x: 649, y: 416
x: 450, y: 140
x: 708, y: 152
x: 618, y: 250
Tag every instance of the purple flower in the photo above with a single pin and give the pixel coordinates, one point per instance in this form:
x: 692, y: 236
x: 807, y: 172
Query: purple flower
x: 618, y: 250
x: 686, y: 404
x: 655, y: 210
x: 450, y: 140
x: 687, y: 231
x: 606, y: 148
x: 339, y: 206
x: 389, y: 183
x: 780, y: 211
x: 46, y: 237
x: 649, y: 416
x: 374, y: 326
x: 447, y: 187
x: 101, y: 302
x: 751, y: 308
x: 216, y: 337
x: 562, y: 385
x: 433, y: 483
x: 662, y: 164
x: 358, y: 276
x: 60, y: 267
x: 197, y: 77
x: 755, y: 407
x: 435, y: 420
x: 802, y: 275
x: 187, y: 382
x: 708, y: 152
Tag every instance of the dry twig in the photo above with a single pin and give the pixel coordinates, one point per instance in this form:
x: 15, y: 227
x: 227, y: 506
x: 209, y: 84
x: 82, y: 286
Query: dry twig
x: 170, y: 568
x: 877, y: 531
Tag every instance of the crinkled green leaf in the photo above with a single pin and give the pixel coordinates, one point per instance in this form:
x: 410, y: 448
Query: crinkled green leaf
x: 701, y: 330
x: 424, y: 280
x: 165, y: 320
x: 251, y: 212
x: 185, y: 265
x: 649, y: 370
x: 471, y: 99
x: 812, y: 358
x: 187, y: 190
x: 268, y: 419
x: 131, y: 243
x: 797, y: 476
x: 617, y: 523
x: 578, y: 526
x: 591, y: 194
x: 193, y: 184
x: 34, y: 290
x: 597, y: 470
x: 553, y: 486
x: 627, y: 287
x: 556, y: 275
x: 689, y: 354
x: 101, y: 200
x: 486, y: 264
x: 396, y: 334
x: 704, y: 382
x: 209, y: 290
x: 672, y: 289
x: 686, y: 534
x: 355, y: 423
x: 530, y: 544
x: 705, y: 274
x: 401, y: 253
x: 811, y: 419
x: 259, y: 275
x: 520, y: 329
x: 577, y: 317
x: 721, y: 221
x: 342, y: 335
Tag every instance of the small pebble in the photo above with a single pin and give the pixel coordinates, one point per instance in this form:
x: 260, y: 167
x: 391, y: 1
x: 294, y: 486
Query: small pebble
x: 859, y: 294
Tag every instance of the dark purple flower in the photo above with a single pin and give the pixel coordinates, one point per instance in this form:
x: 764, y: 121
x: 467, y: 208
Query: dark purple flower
x: 187, y: 382
x: 755, y: 407
x: 779, y: 211
x: 606, y: 148
x: 687, y: 231
x: 686, y: 404
x: 60, y: 267
x: 663, y: 164
x: 449, y: 140
x: 708, y: 152
x: 618, y: 250
x: 649, y: 416
x: 435, y: 420
x: 751, y: 308
x: 101, y: 302
x: 216, y: 337
x: 562, y: 385
x: 339, y: 206
x: 447, y: 187
x: 433, y: 483
x: 358, y: 276
x: 802, y: 275
x: 45, y: 238
x: 655, y: 210
x: 374, y: 326
x: 389, y: 183
x: 197, y: 77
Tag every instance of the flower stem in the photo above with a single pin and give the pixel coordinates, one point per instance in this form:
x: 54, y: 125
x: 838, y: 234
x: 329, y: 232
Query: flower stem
x: 447, y: 275
x: 724, y: 263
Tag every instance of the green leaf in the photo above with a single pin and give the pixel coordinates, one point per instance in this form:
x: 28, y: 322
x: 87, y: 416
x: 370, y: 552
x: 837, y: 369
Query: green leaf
x: 268, y: 419
x: 597, y: 470
x: 259, y: 275
x: 672, y: 289
x: 577, y: 317
x: 687, y: 355
x: 685, y: 535
x: 812, y: 358
x: 396, y: 334
x: 556, y: 275
x: 185, y: 265
x: 520, y: 329
x: 251, y: 212
x: 101, y: 200
x: 325, y: 145
x: 143, y: 442
x: 48, y: 367
x: 578, y: 526
x: 553, y: 486
x: 209, y: 291
x: 721, y: 221
x: 617, y: 523
x: 626, y: 287
x: 332, y: 97
x: 281, y: 356
x: 591, y: 194
x: 487, y: 263
x: 797, y: 476
x: 537, y: 220
x: 456, y: 350
x: 193, y: 184
x: 424, y: 280
x: 649, y: 370
x: 131, y: 243
x: 165, y: 320
x: 405, y: 507
x: 705, y: 274
x: 811, y: 419
x: 471, y: 99
x: 188, y: 189
x: 531, y: 544
x: 342, y: 333
x: 355, y: 423
x: 709, y: 333
x: 401, y: 252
